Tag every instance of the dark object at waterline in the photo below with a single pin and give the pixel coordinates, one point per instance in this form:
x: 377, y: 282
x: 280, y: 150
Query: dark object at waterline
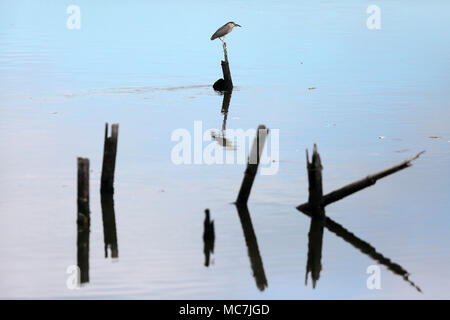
x: 109, y: 159
x: 208, y: 237
x: 252, y: 165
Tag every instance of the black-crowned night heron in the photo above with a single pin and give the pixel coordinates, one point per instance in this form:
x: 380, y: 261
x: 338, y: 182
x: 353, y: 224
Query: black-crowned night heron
x: 224, y: 30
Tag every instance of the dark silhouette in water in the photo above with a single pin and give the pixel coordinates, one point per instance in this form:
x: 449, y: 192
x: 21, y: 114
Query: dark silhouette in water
x: 220, y: 136
x: 83, y: 230
x: 252, y: 246
x: 208, y: 237
x: 368, y: 249
x: 315, y: 237
x: 109, y: 224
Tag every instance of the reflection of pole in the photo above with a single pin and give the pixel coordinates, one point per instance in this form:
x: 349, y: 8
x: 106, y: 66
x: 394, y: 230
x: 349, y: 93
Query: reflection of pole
x: 109, y: 159
x: 83, y: 219
x: 252, y: 165
x: 109, y: 224
x: 315, y: 237
x: 208, y: 237
x: 252, y: 246
x: 367, y: 249
x: 225, y: 105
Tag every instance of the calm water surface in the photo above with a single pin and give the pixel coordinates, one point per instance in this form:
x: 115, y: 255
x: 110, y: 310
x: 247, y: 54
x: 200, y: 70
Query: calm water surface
x: 380, y: 96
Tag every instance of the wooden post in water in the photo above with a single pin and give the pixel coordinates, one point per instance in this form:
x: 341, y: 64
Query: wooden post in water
x: 83, y: 219
x: 252, y: 165
x: 109, y: 224
x: 109, y: 159
x: 225, y: 84
x: 355, y: 186
x: 315, y: 182
x: 83, y: 189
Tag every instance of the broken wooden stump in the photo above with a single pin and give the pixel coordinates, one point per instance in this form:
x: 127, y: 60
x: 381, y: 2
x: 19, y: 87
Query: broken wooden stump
x: 83, y: 219
x: 208, y: 237
x: 225, y: 84
x: 109, y: 159
x: 252, y: 165
x: 358, y: 185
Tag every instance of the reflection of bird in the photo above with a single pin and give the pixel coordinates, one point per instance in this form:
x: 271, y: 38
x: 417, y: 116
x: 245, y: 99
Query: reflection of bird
x: 224, y: 142
x: 224, y: 30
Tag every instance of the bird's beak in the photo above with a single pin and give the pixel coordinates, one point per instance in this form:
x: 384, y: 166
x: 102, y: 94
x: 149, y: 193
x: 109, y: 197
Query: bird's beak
x: 238, y: 25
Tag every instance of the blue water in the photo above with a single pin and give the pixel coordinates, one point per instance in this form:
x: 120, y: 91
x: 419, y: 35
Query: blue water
x: 313, y: 70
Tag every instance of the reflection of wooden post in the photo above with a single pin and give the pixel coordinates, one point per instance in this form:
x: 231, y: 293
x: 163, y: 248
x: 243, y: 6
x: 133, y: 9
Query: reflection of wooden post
x: 208, y: 237
x: 83, y: 219
x: 252, y: 247
x: 252, y: 165
x: 109, y: 159
x: 225, y: 106
x: 364, y: 247
x: 315, y: 238
x: 225, y: 84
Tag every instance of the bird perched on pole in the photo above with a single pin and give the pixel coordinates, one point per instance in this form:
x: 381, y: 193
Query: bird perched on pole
x: 224, y: 30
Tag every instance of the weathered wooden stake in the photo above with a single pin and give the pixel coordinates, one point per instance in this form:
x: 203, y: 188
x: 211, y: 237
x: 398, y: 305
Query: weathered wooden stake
x: 315, y: 182
x: 252, y: 165
x: 83, y: 190
x: 109, y: 159
x: 225, y: 84
x: 83, y: 219
x: 109, y: 224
